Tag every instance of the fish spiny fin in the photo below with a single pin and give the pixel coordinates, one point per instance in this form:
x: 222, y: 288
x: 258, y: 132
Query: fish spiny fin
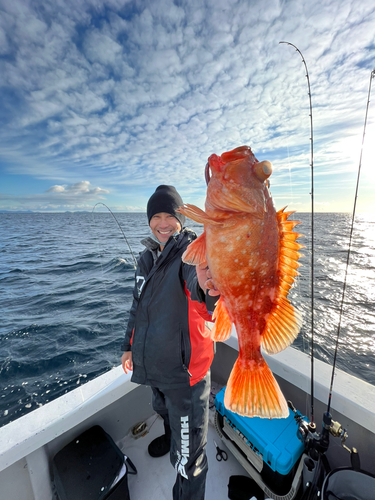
x: 282, y: 216
x: 282, y: 328
x: 223, y: 325
x: 284, y: 223
x: 196, y: 214
x: 195, y: 253
x: 288, y: 248
x: 252, y: 391
x: 284, y: 322
x: 291, y: 236
x: 292, y: 245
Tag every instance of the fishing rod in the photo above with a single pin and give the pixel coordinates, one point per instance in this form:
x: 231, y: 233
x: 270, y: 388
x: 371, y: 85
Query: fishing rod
x: 312, y: 229
x: 315, y: 443
x: 372, y: 76
x: 131, y: 251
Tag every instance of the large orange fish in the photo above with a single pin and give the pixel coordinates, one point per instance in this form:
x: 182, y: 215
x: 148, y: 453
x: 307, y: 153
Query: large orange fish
x: 252, y: 253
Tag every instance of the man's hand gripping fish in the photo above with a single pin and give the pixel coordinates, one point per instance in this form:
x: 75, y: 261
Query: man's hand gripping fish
x: 252, y: 254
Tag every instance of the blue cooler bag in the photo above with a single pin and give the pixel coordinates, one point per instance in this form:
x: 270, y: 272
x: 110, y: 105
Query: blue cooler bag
x: 274, y: 445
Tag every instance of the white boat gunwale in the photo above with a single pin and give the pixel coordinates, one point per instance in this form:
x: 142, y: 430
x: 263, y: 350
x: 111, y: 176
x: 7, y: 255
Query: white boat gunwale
x: 30, y: 441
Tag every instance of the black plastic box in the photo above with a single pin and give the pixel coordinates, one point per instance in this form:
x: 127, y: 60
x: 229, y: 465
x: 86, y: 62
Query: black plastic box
x: 91, y: 467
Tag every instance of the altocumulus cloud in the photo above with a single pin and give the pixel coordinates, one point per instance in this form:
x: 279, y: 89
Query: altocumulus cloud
x: 129, y: 94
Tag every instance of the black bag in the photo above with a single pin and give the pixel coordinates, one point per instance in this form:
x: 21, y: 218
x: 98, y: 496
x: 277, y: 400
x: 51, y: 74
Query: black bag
x: 92, y: 467
x: 243, y: 488
x: 348, y: 484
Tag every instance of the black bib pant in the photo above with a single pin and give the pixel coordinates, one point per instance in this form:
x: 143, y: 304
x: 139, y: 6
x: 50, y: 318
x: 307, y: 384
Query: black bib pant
x: 186, y: 411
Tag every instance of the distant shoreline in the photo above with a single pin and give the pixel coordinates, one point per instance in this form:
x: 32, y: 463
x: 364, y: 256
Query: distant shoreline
x: 121, y: 212
x: 65, y: 212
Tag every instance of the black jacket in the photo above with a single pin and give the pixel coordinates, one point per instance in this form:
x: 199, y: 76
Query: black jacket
x: 166, y: 326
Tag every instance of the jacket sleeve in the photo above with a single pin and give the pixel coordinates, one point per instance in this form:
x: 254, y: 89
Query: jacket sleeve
x: 196, y: 293
x: 189, y: 276
x: 126, y: 345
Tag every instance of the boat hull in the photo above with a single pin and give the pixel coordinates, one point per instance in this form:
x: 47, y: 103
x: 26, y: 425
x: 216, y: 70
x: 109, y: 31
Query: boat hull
x: 114, y: 402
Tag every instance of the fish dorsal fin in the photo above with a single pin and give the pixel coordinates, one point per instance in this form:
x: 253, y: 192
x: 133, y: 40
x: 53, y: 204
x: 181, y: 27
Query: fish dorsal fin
x: 195, y: 253
x: 197, y: 214
x: 284, y: 321
x: 223, y: 325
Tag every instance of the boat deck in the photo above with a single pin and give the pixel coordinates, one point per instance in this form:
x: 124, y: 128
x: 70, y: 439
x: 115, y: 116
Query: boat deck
x: 156, y: 476
x: 112, y: 401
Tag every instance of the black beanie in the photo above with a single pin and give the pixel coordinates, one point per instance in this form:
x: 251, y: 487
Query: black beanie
x: 165, y: 199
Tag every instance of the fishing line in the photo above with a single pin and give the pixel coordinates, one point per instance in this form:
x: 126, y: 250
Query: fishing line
x: 290, y: 177
x: 103, y: 280
x: 350, y: 245
x: 297, y: 287
x: 312, y: 229
x: 110, y: 304
x: 131, y: 251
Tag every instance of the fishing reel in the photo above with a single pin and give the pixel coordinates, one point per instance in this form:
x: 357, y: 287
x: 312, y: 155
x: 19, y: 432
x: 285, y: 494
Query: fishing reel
x: 337, y: 431
x: 317, y: 443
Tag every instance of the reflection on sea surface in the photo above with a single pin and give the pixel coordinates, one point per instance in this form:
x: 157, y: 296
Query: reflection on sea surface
x: 66, y: 284
x: 356, y: 353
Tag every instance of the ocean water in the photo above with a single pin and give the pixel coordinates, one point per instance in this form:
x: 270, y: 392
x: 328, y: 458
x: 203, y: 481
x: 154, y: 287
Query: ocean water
x: 66, y: 283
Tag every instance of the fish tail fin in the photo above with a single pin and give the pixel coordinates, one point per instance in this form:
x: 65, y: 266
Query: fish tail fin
x: 252, y: 391
x: 223, y: 326
x: 195, y: 253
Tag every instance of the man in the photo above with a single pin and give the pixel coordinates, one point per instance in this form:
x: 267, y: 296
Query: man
x: 165, y: 343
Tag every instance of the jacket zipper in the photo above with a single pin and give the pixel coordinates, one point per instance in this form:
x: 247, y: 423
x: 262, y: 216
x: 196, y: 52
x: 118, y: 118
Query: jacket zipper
x: 183, y: 355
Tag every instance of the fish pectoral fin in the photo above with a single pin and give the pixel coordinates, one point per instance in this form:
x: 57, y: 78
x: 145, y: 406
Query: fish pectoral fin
x: 252, y: 391
x: 196, y: 214
x: 195, y: 253
x: 257, y: 209
x: 282, y: 328
x: 223, y: 325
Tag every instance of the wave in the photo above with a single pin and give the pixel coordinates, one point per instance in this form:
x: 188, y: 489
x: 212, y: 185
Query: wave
x: 66, y: 296
x: 119, y: 264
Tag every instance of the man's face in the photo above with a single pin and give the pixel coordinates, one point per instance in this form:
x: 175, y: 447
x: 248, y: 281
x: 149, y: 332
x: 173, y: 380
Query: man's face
x: 164, y: 225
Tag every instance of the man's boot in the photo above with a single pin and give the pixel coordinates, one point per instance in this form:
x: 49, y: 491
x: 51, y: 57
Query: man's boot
x: 162, y: 444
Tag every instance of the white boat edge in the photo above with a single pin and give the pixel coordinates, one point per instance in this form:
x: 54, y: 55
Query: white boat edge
x: 26, y: 434
x: 27, y: 440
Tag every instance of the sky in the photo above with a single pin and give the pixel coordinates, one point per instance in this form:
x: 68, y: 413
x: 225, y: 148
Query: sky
x: 102, y: 101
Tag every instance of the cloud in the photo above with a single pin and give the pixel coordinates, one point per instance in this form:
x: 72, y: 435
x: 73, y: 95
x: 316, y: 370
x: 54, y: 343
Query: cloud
x: 101, y: 48
x: 56, y: 189
x: 83, y: 188
x: 79, y: 196
x: 135, y: 94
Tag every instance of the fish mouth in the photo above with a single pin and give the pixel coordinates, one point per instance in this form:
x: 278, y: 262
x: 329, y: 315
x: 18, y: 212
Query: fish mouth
x: 207, y: 173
